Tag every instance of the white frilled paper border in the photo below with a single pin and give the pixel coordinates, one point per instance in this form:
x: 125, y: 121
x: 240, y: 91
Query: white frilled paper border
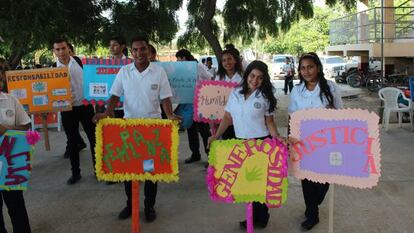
x: 370, y: 118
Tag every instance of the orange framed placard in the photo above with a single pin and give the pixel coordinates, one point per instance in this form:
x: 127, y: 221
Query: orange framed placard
x: 41, y: 90
x: 137, y: 150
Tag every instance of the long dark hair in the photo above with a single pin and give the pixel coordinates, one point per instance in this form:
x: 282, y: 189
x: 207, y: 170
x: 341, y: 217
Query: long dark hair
x: 4, y: 66
x: 184, y: 53
x: 266, y: 89
x: 221, y: 72
x: 325, y: 91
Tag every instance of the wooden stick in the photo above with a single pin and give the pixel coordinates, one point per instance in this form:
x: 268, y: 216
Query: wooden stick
x: 135, y: 207
x: 45, y: 131
x: 331, y: 209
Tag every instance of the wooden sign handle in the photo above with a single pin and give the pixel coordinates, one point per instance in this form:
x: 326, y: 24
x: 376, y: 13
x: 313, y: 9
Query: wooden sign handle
x: 45, y: 131
x: 331, y: 209
x: 135, y: 207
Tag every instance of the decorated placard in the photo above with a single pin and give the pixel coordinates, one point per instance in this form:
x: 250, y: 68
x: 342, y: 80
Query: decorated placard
x: 98, y: 76
x: 244, y: 171
x: 137, y: 150
x: 210, y: 99
x: 182, y: 77
x: 338, y: 146
x: 16, y: 149
x: 41, y: 90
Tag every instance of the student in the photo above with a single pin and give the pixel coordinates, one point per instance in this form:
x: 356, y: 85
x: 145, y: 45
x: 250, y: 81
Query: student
x: 313, y: 91
x: 288, y: 70
x: 79, y: 113
x: 210, y: 67
x: 12, y: 117
x: 243, y: 61
x: 81, y: 143
x: 230, y: 67
x: 117, y: 47
x: 251, y: 109
x: 152, y: 80
x: 230, y: 70
x: 196, y: 127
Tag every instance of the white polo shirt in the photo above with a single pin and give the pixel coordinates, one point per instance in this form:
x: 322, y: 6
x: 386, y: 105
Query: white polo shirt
x: 203, y: 74
x: 142, y: 91
x: 11, y: 111
x: 237, y: 78
x: 301, y: 98
x: 248, y: 115
x: 76, y: 80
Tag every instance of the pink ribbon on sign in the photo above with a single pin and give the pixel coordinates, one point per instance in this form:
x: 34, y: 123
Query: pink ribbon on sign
x: 32, y: 137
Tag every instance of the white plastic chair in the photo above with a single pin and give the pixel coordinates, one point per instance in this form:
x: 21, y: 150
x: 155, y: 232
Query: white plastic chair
x: 390, y: 97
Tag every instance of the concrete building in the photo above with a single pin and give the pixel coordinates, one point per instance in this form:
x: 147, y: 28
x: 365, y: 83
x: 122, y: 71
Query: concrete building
x: 359, y: 34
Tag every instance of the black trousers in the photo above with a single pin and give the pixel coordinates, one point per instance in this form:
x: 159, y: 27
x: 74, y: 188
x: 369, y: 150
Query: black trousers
x: 17, y: 211
x: 70, y: 121
x: 313, y: 193
x: 193, y: 139
x: 288, y: 84
x: 150, y: 193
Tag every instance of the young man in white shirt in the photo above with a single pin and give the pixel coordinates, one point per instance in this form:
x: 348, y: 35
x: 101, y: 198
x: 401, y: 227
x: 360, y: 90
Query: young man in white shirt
x: 117, y: 47
x: 144, y: 86
x: 210, y: 67
x: 79, y: 113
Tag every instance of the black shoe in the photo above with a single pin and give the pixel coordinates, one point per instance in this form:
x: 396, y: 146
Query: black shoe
x: 81, y: 146
x: 309, y: 224
x: 193, y: 159
x: 150, y: 214
x: 110, y: 183
x: 125, y: 213
x: 73, y: 179
x: 243, y: 224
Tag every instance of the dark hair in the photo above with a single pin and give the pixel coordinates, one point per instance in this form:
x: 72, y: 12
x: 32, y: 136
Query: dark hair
x: 184, y: 53
x: 58, y: 40
x: 140, y: 38
x: 266, y: 89
x: 71, y: 47
x: 323, y: 83
x: 203, y: 60
x: 209, y: 59
x: 121, y: 41
x: 231, y: 47
x: 152, y: 49
x: 4, y: 66
x: 238, y: 66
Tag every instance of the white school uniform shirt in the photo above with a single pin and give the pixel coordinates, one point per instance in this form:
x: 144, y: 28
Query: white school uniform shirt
x: 237, y: 78
x: 76, y: 80
x: 212, y: 71
x: 11, y: 111
x: 301, y: 98
x: 142, y: 91
x: 248, y: 114
x: 202, y: 73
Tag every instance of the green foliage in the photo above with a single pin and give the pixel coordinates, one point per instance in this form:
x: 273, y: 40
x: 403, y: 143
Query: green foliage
x: 304, y: 36
x: 250, y: 20
x: 157, y: 19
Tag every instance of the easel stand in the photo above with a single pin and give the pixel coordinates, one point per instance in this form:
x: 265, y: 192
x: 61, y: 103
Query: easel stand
x: 135, y: 207
x: 249, y: 217
x: 331, y: 209
x: 45, y: 131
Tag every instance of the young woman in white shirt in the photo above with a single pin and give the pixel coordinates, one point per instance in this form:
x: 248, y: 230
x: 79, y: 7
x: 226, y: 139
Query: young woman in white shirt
x: 12, y: 117
x: 229, y: 70
x: 250, y: 109
x: 313, y: 91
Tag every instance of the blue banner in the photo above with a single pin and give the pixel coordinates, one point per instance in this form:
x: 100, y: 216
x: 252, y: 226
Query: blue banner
x: 99, y: 74
x: 15, y: 157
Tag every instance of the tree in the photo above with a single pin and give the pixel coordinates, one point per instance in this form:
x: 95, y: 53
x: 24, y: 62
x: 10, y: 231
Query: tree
x: 156, y: 18
x: 28, y: 25
x: 246, y: 19
x: 306, y: 35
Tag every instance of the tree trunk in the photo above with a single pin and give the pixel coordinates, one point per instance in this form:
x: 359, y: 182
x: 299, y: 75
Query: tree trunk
x: 206, y: 28
x: 15, y: 56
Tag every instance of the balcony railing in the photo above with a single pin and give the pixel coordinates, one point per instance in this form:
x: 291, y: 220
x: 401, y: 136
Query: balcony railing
x: 365, y: 26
